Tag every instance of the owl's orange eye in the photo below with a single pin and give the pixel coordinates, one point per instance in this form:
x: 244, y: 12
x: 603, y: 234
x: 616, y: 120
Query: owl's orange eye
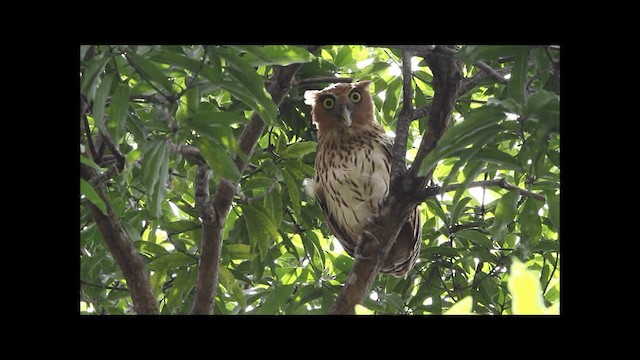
x: 355, y: 96
x: 328, y: 103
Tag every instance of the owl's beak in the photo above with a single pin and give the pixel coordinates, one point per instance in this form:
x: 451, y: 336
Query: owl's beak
x: 346, y: 116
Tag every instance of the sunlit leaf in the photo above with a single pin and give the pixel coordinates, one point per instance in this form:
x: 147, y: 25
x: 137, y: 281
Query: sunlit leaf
x: 171, y: 261
x: 149, y: 70
x: 526, y: 291
x: 462, y: 307
x: 518, y: 81
x: 218, y: 158
x: 275, y: 55
x: 299, y: 149
x: 92, y: 195
x: 118, y: 111
x: 504, y: 214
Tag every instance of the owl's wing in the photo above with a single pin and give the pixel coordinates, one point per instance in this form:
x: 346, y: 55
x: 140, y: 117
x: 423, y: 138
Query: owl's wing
x: 347, y: 243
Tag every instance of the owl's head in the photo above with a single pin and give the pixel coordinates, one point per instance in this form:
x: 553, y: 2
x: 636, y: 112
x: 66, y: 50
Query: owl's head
x: 341, y: 106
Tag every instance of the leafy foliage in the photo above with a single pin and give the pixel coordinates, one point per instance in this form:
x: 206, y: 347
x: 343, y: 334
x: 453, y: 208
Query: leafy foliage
x: 278, y: 255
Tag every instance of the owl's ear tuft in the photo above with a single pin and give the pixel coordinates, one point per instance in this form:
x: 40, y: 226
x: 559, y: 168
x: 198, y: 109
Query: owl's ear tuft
x: 363, y: 85
x: 310, y: 97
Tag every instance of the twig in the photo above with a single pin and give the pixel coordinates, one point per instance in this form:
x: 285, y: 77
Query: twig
x: 503, y: 183
x: 491, y: 72
x: 322, y: 79
x: 191, y: 152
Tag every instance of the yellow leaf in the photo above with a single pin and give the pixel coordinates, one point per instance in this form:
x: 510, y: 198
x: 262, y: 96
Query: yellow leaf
x: 462, y: 307
x: 525, y: 290
x: 361, y: 310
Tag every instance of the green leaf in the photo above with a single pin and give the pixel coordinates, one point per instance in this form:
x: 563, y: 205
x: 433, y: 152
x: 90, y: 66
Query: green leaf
x: 472, y: 53
x: 437, y: 209
x: 275, y: 55
x: 179, y: 226
x: 215, y: 118
x: 153, y: 249
x: 478, y: 127
x: 171, y: 261
x: 504, y: 214
x: 155, y: 172
x: 262, y: 231
x: 176, y: 59
x: 311, y: 236
x: 218, y: 158
x: 539, y: 100
x: 294, y: 192
x: 245, y: 75
x: 118, y: 112
x: 85, y: 160
x: 91, y: 76
x: 273, y: 204
x: 547, y: 245
x: 229, y: 282
x: 458, y: 209
x: 92, y: 195
x: 276, y: 300
x: 475, y: 237
x: 443, y: 250
x: 518, y: 81
x: 149, y: 70
x: 239, y: 251
x: 343, y: 57
x: 100, y: 101
x: 502, y: 159
x: 391, y: 99
x: 530, y: 222
x: 299, y: 149
x: 553, y: 201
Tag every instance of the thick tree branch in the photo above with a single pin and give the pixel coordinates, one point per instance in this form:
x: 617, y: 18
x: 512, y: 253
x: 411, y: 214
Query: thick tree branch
x: 124, y: 253
x: 398, y: 165
x: 226, y: 190
x: 446, y: 82
x: 324, y: 79
x: 378, y: 237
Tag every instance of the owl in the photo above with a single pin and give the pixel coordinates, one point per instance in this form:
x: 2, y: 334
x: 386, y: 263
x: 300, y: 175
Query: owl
x: 352, y: 171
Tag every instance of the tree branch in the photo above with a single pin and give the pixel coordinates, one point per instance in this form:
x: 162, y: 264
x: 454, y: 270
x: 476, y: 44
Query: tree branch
x: 191, y: 152
x: 501, y: 182
x: 378, y: 236
x: 398, y: 164
x: 226, y: 190
x: 491, y: 72
x: 446, y: 82
x: 124, y: 253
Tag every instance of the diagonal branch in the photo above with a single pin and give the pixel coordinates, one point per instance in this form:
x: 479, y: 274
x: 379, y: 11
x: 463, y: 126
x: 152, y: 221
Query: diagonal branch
x: 222, y: 199
x: 378, y: 237
x: 122, y: 249
x: 501, y: 182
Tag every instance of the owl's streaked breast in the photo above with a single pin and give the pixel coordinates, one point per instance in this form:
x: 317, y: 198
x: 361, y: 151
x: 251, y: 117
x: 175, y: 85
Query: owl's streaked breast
x: 353, y: 169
